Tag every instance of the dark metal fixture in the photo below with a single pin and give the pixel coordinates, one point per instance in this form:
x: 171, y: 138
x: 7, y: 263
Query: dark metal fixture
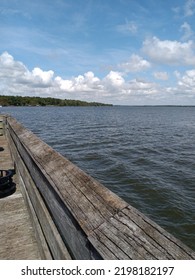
x: 7, y: 187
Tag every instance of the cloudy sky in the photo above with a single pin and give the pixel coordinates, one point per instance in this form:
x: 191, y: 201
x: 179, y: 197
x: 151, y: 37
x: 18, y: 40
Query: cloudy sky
x: 127, y: 52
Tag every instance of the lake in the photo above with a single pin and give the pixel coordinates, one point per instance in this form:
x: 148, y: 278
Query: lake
x: 144, y: 154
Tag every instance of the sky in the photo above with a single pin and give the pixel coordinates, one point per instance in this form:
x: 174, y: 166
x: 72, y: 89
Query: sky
x: 124, y: 52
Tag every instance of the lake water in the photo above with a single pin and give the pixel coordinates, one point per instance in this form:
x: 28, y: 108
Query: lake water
x: 144, y: 154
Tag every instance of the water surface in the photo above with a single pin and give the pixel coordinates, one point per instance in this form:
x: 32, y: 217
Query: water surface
x: 144, y: 154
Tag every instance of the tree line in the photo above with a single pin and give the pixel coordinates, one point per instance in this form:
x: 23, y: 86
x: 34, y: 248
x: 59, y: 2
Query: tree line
x: 8, y: 100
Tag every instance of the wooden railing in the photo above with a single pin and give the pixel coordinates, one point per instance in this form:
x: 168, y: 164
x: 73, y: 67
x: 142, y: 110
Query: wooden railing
x: 77, y: 217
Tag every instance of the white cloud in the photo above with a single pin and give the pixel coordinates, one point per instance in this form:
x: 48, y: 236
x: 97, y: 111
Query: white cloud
x: 114, y: 79
x: 82, y: 83
x: 187, y: 81
x: 42, y: 76
x: 7, y: 59
x: 188, y: 32
x: 115, y: 87
x: 185, y: 87
x: 10, y: 68
x: 161, y: 75
x: 169, y: 52
x: 140, y: 86
x: 15, y: 72
x: 112, y: 88
x: 135, y: 64
x: 15, y: 78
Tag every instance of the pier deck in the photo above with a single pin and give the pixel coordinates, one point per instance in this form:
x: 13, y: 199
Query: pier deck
x: 17, y: 238
x: 73, y: 215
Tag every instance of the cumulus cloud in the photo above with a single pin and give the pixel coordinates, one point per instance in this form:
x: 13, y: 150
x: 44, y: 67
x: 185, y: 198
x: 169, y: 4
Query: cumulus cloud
x: 143, y: 87
x: 42, y: 76
x: 161, y: 75
x: 10, y: 68
x: 187, y: 81
x: 135, y: 64
x: 185, y: 86
x: 169, y: 52
x: 37, y: 78
x: 17, y: 79
x: 114, y: 79
x: 86, y: 83
x: 115, y: 87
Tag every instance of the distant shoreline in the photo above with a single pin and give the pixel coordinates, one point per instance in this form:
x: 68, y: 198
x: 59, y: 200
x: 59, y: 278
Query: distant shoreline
x: 33, y: 101
x: 19, y: 101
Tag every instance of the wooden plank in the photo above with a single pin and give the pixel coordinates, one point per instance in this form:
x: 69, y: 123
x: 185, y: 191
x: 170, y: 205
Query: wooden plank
x: 17, y: 240
x: 125, y: 234
x: 123, y: 239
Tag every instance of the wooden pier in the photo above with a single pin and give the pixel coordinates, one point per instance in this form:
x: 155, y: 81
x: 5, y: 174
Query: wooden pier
x: 60, y: 212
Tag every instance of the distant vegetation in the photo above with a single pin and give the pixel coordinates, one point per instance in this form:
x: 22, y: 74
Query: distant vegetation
x: 40, y: 101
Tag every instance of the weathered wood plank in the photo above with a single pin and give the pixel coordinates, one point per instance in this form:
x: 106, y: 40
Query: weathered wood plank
x: 127, y: 241
x: 135, y: 243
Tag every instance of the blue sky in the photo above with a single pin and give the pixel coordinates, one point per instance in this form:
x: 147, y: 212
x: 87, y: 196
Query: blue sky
x: 128, y: 52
